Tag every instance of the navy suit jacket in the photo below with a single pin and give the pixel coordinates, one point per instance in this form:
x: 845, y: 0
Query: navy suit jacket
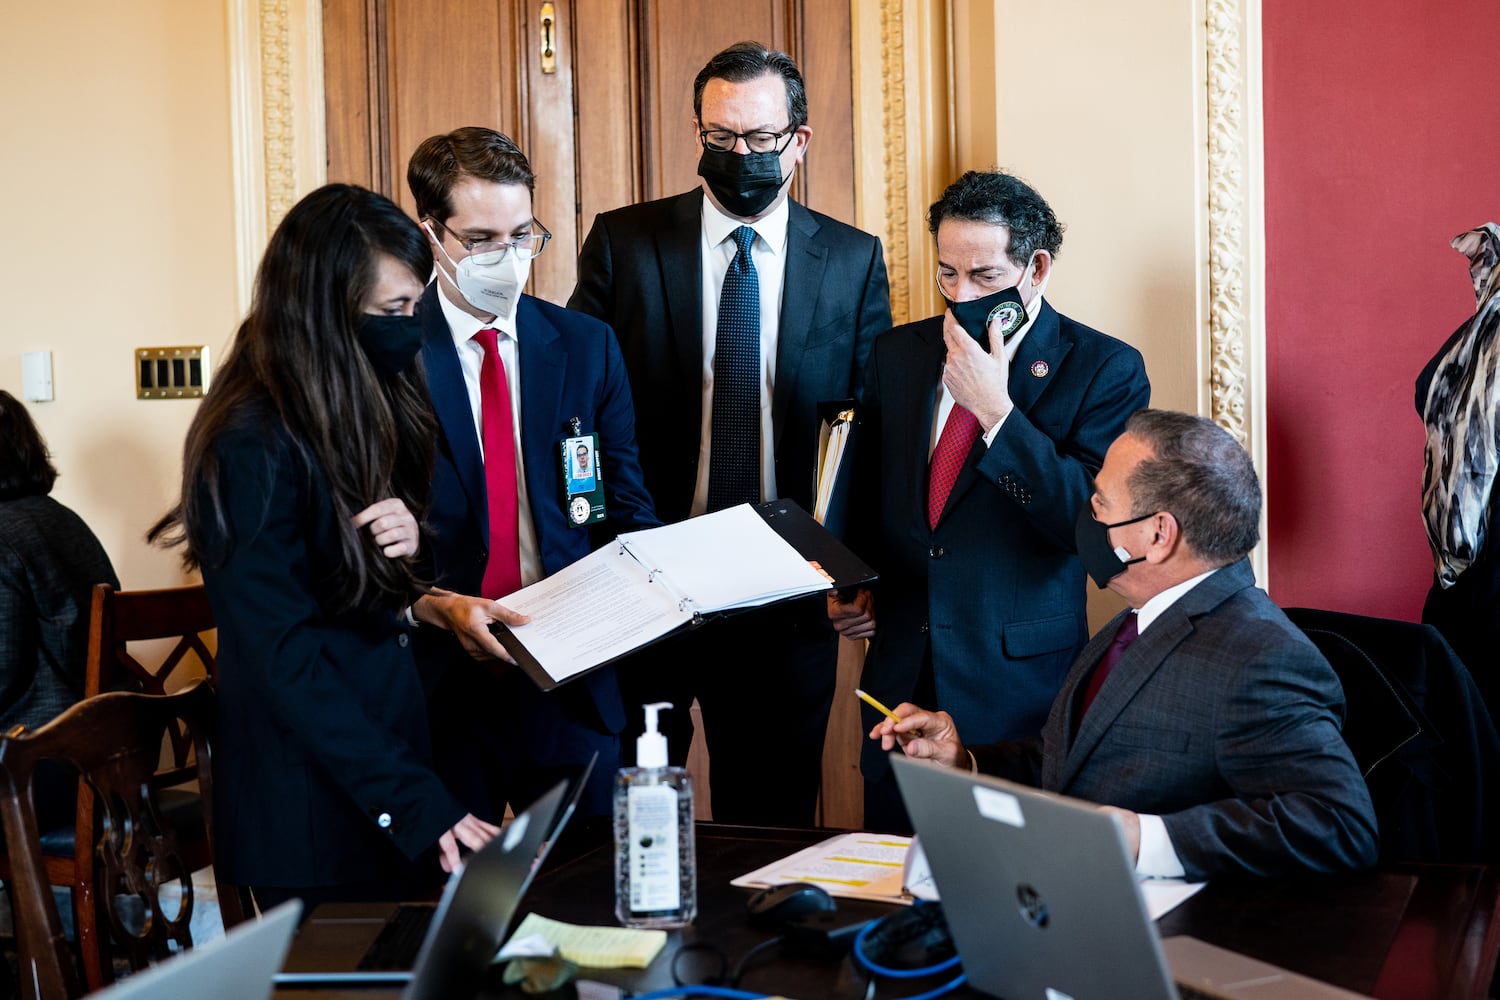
x: 640, y: 271
x: 570, y: 367
x: 1223, y: 719
x: 322, y: 759
x: 996, y: 592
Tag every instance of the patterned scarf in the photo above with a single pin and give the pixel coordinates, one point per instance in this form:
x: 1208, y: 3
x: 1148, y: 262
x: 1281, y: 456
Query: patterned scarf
x: 1462, y: 417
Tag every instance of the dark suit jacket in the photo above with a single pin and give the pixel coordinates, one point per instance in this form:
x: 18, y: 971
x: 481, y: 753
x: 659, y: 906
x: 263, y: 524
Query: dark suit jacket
x: 996, y: 592
x: 570, y: 367
x: 321, y: 763
x: 1223, y: 719
x: 639, y: 271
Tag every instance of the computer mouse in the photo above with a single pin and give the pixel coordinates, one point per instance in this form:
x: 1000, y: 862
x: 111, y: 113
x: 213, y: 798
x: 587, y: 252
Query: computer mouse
x: 781, y: 904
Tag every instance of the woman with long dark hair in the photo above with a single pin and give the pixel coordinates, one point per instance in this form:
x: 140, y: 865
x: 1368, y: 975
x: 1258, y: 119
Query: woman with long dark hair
x: 303, y: 477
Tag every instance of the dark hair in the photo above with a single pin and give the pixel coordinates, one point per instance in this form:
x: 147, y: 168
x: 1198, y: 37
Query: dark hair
x: 1201, y: 475
x: 25, y: 469
x: 297, y: 355
x: 473, y: 151
x: 1001, y: 200
x: 746, y: 61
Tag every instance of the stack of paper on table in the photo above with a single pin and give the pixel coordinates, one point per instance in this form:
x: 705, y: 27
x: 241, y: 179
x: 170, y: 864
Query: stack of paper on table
x: 892, y: 869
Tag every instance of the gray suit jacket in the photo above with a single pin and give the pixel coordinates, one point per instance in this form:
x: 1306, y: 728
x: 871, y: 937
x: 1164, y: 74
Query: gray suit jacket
x: 1223, y: 719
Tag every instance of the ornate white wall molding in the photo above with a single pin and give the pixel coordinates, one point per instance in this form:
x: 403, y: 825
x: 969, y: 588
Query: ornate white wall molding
x: 1236, y: 335
x: 893, y: 114
x: 276, y: 116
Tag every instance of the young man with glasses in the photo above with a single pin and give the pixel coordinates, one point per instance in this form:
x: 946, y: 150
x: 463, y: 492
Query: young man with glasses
x: 981, y: 430
x: 739, y: 311
x: 512, y: 378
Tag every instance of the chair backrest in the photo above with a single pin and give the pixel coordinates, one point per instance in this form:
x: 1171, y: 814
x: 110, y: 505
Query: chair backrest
x: 1379, y: 718
x: 120, y: 617
x: 1419, y: 729
x: 124, y: 616
x: 114, y: 743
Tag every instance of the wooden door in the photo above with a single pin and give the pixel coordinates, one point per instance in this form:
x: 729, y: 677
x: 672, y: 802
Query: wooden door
x: 608, y: 122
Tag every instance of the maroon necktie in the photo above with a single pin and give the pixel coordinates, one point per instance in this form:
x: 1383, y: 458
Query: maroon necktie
x: 948, y: 458
x: 1129, y: 629
x: 502, y: 574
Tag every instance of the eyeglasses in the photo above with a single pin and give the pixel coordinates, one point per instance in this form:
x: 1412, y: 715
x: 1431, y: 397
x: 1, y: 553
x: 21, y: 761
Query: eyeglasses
x: 488, y: 252
x: 758, y: 142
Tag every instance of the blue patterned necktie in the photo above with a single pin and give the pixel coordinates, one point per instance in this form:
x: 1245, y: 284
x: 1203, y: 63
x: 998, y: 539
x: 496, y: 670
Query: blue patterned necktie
x: 734, y: 442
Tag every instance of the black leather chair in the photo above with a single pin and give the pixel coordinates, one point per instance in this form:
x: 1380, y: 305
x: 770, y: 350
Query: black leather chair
x: 1420, y: 732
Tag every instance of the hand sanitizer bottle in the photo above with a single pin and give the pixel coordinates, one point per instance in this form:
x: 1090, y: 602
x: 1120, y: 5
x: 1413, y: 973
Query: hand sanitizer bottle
x: 656, y: 882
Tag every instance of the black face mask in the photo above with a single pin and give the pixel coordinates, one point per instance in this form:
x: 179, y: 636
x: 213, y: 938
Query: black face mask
x: 976, y: 315
x: 743, y: 183
x: 1102, y: 561
x: 390, y: 342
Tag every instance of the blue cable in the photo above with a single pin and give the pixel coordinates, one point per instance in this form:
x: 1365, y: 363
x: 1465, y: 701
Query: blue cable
x: 702, y: 991
x: 881, y: 970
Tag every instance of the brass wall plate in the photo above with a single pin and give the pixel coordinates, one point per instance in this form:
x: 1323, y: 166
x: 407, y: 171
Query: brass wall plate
x: 171, y: 372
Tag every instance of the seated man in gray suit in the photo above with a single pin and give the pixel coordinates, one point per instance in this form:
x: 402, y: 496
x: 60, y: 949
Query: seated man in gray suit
x: 1214, y: 735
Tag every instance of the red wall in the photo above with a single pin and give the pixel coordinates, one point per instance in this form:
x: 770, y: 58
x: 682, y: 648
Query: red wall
x: 1382, y: 135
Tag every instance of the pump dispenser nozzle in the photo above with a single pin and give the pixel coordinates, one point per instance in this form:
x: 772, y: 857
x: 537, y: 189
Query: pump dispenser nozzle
x: 651, y: 746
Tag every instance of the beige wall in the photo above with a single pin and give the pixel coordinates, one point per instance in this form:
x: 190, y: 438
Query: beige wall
x: 1098, y: 106
x: 120, y: 233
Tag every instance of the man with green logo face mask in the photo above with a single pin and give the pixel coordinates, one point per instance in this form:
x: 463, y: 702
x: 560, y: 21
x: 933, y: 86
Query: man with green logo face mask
x: 980, y: 432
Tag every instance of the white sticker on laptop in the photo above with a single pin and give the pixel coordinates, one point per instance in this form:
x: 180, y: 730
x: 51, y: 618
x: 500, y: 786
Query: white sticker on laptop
x: 516, y: 831
x: 1001, y: 806
x: 1058, y: 994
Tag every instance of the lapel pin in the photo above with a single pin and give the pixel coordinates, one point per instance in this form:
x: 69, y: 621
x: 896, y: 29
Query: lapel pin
x: 1039, y: 369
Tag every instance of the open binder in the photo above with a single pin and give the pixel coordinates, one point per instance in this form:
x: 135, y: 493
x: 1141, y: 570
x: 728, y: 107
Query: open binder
x: 648, y: 584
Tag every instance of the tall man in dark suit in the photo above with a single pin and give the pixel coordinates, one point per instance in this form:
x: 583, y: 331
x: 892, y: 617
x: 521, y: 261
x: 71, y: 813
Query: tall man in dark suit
x: 512, y: 378
x: 739, y: 311
x: 1203, y: 717
x: 979, y: 432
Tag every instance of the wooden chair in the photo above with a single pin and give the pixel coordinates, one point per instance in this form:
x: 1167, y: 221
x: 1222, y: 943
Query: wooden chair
x: 119, y: 618
x: 114, y: 742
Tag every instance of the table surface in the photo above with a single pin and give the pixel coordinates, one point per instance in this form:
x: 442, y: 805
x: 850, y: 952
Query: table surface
x: 1418, y: 931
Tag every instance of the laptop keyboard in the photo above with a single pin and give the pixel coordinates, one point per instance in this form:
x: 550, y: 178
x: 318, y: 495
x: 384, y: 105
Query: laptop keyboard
x: 395, y: 950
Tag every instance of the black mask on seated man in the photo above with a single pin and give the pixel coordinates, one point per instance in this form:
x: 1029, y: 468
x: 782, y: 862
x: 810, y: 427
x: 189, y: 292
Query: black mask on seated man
x: 744, y: 183
x: 1102, y: 561
x: 976, y: 315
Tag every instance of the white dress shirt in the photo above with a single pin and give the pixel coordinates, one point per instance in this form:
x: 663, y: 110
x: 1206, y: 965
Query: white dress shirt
x: 471, y: 358
x: 716, y: 250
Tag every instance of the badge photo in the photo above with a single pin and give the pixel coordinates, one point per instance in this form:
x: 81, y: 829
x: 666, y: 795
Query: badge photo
x: 582, y: 481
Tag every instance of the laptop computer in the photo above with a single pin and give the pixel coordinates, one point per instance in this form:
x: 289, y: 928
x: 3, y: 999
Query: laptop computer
x: 238, y: 966
x: 443, y: 950
x: 1042, y: 900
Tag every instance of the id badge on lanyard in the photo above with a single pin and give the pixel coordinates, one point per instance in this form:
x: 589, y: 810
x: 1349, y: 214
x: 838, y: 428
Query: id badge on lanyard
x: 583, y: 483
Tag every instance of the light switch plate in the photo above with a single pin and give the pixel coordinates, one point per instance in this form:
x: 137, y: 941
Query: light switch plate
x: 171, y: 372
x: 36, y: 376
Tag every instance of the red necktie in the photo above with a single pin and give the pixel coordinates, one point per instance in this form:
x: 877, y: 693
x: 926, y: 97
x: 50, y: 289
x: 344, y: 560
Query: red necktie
x: 948, y: 458
x: 502, y: 574
x: 1129, y: 629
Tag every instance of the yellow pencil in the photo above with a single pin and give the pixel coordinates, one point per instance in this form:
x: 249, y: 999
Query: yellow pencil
x: 877, y: 706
